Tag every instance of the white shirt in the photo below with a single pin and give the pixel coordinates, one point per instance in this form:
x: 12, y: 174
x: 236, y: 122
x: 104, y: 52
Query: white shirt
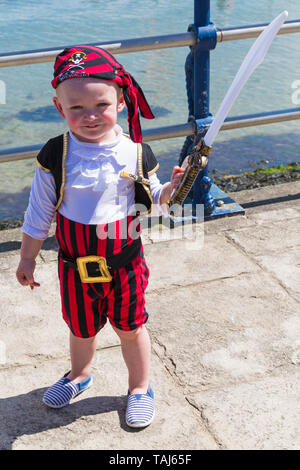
x: 94, y: 193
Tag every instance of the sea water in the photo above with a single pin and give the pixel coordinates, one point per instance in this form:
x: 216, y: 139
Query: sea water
x: 27, y: 115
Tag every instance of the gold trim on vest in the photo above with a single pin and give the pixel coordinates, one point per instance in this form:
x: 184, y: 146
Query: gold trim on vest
x: 42, y: 167
x: 63, y: 168
x: 154, y: 170
x: 141, y: 174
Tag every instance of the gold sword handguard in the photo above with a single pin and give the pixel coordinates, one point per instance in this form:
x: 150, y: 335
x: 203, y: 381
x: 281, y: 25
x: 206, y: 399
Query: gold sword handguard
x: 196, y: 162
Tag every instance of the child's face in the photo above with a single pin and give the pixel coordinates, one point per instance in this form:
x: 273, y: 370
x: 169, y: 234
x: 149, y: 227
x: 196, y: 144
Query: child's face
x: 91, y: 108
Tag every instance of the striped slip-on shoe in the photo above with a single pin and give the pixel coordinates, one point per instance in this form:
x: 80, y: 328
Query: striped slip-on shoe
x: 63, y: 391
x: 140, y: 409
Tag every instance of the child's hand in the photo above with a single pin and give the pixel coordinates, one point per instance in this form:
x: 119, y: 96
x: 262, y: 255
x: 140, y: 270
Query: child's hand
x: 169, y: 187
x: 25, y: 273
x: 176, y: 177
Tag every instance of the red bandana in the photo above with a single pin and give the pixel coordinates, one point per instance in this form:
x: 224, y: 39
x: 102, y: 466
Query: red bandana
x: 90, y: 61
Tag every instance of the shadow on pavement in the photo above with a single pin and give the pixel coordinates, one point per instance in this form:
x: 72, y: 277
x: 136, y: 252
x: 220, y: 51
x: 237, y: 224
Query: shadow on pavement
x: 26, y: 414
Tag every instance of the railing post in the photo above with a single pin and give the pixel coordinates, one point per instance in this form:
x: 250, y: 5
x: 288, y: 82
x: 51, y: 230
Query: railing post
x: 201, y: 61
x: 206, y: 40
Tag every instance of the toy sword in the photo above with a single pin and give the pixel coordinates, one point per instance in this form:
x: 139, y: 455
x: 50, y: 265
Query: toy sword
x: 197, y: 160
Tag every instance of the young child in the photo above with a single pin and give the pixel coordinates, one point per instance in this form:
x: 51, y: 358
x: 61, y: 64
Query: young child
x: 92, y: 177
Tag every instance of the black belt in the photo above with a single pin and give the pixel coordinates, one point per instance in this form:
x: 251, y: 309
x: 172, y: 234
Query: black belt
x: 94, y: 268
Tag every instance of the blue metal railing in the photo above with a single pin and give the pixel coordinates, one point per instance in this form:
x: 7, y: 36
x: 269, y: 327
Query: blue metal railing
x: 198, y: 88
x: 197, y: 77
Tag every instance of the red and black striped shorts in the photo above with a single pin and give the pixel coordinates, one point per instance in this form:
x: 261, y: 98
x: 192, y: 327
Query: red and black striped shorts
x: 86, y: 306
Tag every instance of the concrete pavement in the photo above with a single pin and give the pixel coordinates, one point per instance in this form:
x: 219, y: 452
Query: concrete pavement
x: 225, y: 328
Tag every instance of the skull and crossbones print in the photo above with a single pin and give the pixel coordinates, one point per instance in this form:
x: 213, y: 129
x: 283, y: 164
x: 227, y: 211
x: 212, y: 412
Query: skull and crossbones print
x: 77, y: 58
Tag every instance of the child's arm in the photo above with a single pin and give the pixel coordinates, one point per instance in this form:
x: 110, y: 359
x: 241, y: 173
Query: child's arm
x: 29, y: 250
x: 168, y: 188
x: 37, y: 221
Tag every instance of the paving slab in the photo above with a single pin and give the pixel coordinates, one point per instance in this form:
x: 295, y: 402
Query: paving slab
x: 95, y: 419
x: 268, y: 238
x: 285, y: 267
x: 263, y: 415
x: 225, y: 331
x: 262, y: 200
x: 171, y: 264
x: 274, y: 215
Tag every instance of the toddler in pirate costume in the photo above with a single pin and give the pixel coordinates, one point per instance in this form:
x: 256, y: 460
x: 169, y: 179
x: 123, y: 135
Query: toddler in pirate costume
x: 93, y: 177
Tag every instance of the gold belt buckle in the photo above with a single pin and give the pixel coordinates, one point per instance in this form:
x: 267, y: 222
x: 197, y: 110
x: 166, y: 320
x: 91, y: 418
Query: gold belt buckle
x: 81, y: 265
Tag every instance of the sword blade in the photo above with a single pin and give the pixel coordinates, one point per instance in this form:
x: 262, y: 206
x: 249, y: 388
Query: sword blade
x: 254, y: 58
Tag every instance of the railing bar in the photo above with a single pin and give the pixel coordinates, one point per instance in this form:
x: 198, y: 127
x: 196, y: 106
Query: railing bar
x: 252, y: 31
x: 230, y: 123
x: 259, y: 120
x: 19, y: 153
x: 117, y: 47
x: 168, y: 132
x: 17, y: 58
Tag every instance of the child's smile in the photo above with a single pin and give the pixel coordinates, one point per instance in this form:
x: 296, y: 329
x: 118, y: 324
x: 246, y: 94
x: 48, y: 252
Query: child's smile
x: 91, y: 108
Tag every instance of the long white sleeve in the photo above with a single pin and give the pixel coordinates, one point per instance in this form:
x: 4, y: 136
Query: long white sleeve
x: 155, y: 188
x: 41, y: 207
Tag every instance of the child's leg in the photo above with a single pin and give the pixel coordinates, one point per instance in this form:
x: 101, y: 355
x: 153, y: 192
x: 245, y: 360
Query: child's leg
x: 82, y: 351
x: 136, y: 350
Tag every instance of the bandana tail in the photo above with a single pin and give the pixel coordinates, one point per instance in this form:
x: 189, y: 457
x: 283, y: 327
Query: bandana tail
x: 135, y: 101
x: 142, y: 102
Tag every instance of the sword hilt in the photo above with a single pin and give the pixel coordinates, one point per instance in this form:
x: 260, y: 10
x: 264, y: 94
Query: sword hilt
x: 196, y: 162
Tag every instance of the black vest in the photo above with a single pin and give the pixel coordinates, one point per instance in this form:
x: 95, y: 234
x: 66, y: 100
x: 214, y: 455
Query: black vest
x: 52, y: 158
